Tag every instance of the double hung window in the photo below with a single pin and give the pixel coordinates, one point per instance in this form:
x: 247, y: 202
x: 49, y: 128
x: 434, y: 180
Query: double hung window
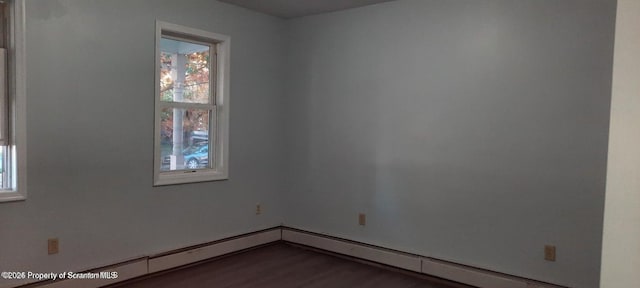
x: 192, y: 105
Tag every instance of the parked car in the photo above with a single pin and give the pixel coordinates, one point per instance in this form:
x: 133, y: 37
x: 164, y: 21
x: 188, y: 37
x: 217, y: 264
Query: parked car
x: 197, y: 157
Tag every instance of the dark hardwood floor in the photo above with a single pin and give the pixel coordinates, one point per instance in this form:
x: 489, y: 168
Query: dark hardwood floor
x: 283, y: 265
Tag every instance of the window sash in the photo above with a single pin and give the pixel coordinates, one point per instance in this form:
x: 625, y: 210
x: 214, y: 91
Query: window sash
x: 210, y: 106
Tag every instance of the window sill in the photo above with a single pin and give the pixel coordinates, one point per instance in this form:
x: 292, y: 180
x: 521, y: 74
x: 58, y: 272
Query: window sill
x: 184, y: 177
x: 12, y: 196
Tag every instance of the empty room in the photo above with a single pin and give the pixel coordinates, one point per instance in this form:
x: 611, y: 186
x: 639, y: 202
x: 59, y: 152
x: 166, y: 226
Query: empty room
x: 320, y: 143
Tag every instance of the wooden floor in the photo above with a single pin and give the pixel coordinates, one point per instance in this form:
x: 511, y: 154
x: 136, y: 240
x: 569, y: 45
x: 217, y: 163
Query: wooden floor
x: 283, y: 265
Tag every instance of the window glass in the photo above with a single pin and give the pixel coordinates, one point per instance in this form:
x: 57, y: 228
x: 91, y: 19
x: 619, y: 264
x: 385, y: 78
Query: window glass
x: 188, y: 147
x: 185, y: 72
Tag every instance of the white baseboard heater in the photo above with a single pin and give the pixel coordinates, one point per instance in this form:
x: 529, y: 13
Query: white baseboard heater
x: 397, y: 259
x: 416, y: 263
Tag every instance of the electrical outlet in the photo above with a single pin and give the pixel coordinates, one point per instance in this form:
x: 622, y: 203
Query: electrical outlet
x: 550, y: 253
x: 362, y: 219
x: 52, y: 246
x: 258, y: 209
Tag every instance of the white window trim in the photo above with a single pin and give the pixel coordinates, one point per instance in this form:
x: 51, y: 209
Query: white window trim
x: 221, y: 122
x: 18, y: 102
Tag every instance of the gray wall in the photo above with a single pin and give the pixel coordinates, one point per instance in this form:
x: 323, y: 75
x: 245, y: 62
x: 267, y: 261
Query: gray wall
x: 473, y: 131
x: 90, y: 82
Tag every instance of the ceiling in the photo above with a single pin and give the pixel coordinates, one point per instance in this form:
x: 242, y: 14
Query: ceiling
x: 298, y: 8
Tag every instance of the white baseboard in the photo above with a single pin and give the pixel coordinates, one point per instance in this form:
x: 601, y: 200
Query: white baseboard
x: 433, y: 267
x: 387, y: 257
x: 174, y: 260
x: 469, y: 276
x: 151, y: 264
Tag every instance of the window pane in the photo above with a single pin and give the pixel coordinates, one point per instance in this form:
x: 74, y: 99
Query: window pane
x: 2, y: 167
x: 184, y: 72
x: 5, y: 181
x: 184, y: 139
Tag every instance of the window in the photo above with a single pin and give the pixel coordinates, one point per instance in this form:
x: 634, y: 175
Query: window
x: 191, y: 105
x: 4, y: 89
x: 12, y: 103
